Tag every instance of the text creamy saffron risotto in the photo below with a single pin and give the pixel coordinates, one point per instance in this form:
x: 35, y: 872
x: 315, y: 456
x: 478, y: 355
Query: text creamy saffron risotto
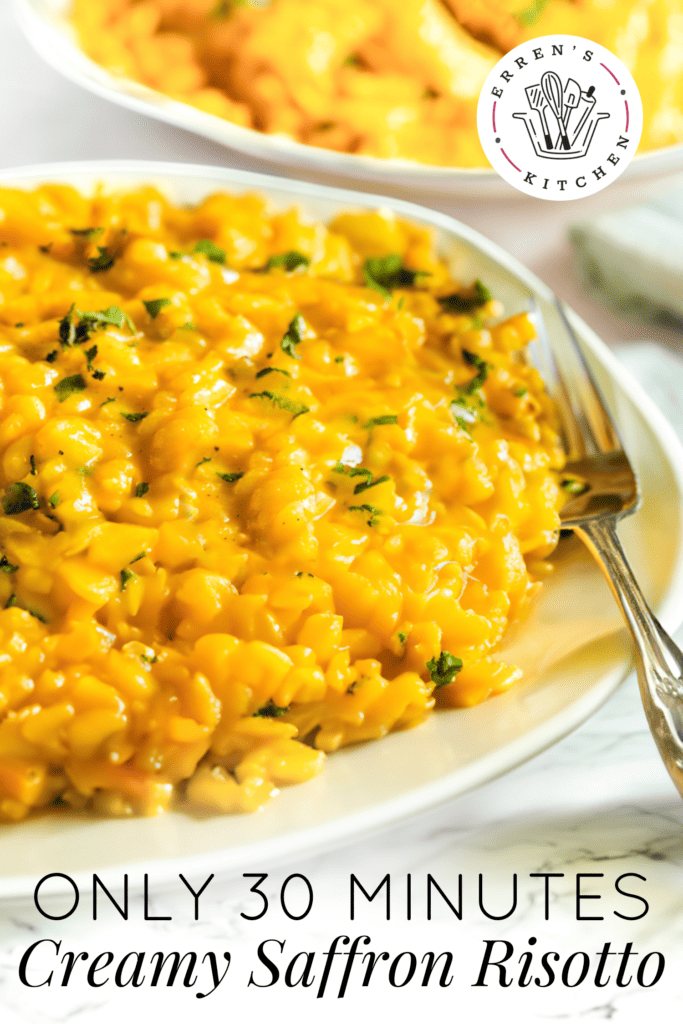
x: 268, y: 488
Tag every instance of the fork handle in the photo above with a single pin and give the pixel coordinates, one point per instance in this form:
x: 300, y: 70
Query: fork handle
x: 659, y: 661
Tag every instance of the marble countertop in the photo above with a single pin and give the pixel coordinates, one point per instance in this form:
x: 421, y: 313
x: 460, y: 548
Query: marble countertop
x: 598, y: 804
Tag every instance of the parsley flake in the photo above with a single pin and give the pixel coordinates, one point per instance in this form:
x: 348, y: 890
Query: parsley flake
x: 69, y: 386
x: 271, y: 369
x: 19, y: 497
x: 382, y: 421
x: 531, y: 14
x: 574, y: 487
x: 6, y: 566
x: 212, y: 251
x: 104, y: 261
x: 465, y: 301
x: 444, y: 669
x: 141, y: 490
x: 33, y: 465
x: 374, y: 512
x: 88, y: 233
x: 54, y: 499
x: 383, y: 273
x: 126, y: 576
x: 296, y: 408
x: 230, y: 478
x: 481, y: 367
x: 293, y: 336
x: 134, y: 417
x: 270, y: 710
x: 154, y: 306
x: 288, y: 261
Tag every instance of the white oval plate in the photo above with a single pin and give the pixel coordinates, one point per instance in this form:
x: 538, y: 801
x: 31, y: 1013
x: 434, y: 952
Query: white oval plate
x: 48, y: 30
x: 369, y: 786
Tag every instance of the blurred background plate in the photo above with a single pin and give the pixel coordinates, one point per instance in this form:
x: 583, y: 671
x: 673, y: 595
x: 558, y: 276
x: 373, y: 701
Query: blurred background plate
x: 45, y: 24
x: 572, y: 648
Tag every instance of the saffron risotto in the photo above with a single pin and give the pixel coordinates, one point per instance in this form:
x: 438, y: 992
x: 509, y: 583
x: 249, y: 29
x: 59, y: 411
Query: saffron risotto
x: 268, y: 488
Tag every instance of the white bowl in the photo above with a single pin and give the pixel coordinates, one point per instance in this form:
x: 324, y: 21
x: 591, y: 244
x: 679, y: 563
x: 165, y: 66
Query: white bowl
x: 371, y: 785
x: 48, y: 30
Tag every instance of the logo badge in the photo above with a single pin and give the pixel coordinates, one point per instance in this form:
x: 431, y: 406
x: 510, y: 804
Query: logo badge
x: 560, y: 117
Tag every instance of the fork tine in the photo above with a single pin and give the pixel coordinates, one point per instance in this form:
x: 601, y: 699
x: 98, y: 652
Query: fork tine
x: 593, y: 406
x: 572, y: 436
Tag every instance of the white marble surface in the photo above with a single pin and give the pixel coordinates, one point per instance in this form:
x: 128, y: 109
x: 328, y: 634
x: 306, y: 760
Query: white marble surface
x: 598, y: 802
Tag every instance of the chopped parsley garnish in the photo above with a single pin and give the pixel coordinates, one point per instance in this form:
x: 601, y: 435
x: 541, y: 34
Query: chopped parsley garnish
x: 6, y: 566
x: 51, y: 356
x: 141, y: 490
x: 104, y: 261
x: 293, y: 336
x: 296, y: 408
x: 366, y: 484
x: 531, y: 14
x: 288, y: 261
x: 69, y: 386
x: 465, y: 302
x: 107, y: 401
x: 72, y: 332
x: 271, y: 369
x: 481, y: 367
x: 38, y: 615
x: 574, y: 487
x: 386, y: 272
x: 352, y: 470
x: 374, y: 512
x: 230, y: 478
x: 90, y: 354
x: 33, y: 465
x: 126, y: 576
x: 12, y: 601
x: 270, y: 710
x: 444, y: 669
x: 189, y: 326
x: 54, y: 499
x: 352, y: 61
x: 98, y: 374
x: 520, y: 392
x: 403, y: 637
x: 134, y: 417
x: 465, y: 415
x: 138, y: 557
x: 223, y: 8
x: 112, y: 315
x: 212, y: 251
x: 382, y: 421
x: 19, y: 497
x: 154, y: 306
x: 339, y: 359
x: 175, y: 255
x: 88, y: 233
x: 205, y: 459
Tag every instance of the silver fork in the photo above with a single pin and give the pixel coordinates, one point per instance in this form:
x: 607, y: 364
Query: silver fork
x: 596, y: 457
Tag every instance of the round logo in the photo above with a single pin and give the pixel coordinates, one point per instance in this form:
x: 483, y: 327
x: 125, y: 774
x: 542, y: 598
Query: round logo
x: 559, y: 117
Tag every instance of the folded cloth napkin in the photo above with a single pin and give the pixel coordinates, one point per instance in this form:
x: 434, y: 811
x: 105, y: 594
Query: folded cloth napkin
x: 633, y: 257
x: 659, y: 372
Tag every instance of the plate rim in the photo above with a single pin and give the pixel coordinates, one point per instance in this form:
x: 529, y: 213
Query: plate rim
x: 284, y: 151
x: 356, y: 825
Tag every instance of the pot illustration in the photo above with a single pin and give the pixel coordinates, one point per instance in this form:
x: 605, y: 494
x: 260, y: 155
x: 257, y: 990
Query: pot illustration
x: 561, y: 119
